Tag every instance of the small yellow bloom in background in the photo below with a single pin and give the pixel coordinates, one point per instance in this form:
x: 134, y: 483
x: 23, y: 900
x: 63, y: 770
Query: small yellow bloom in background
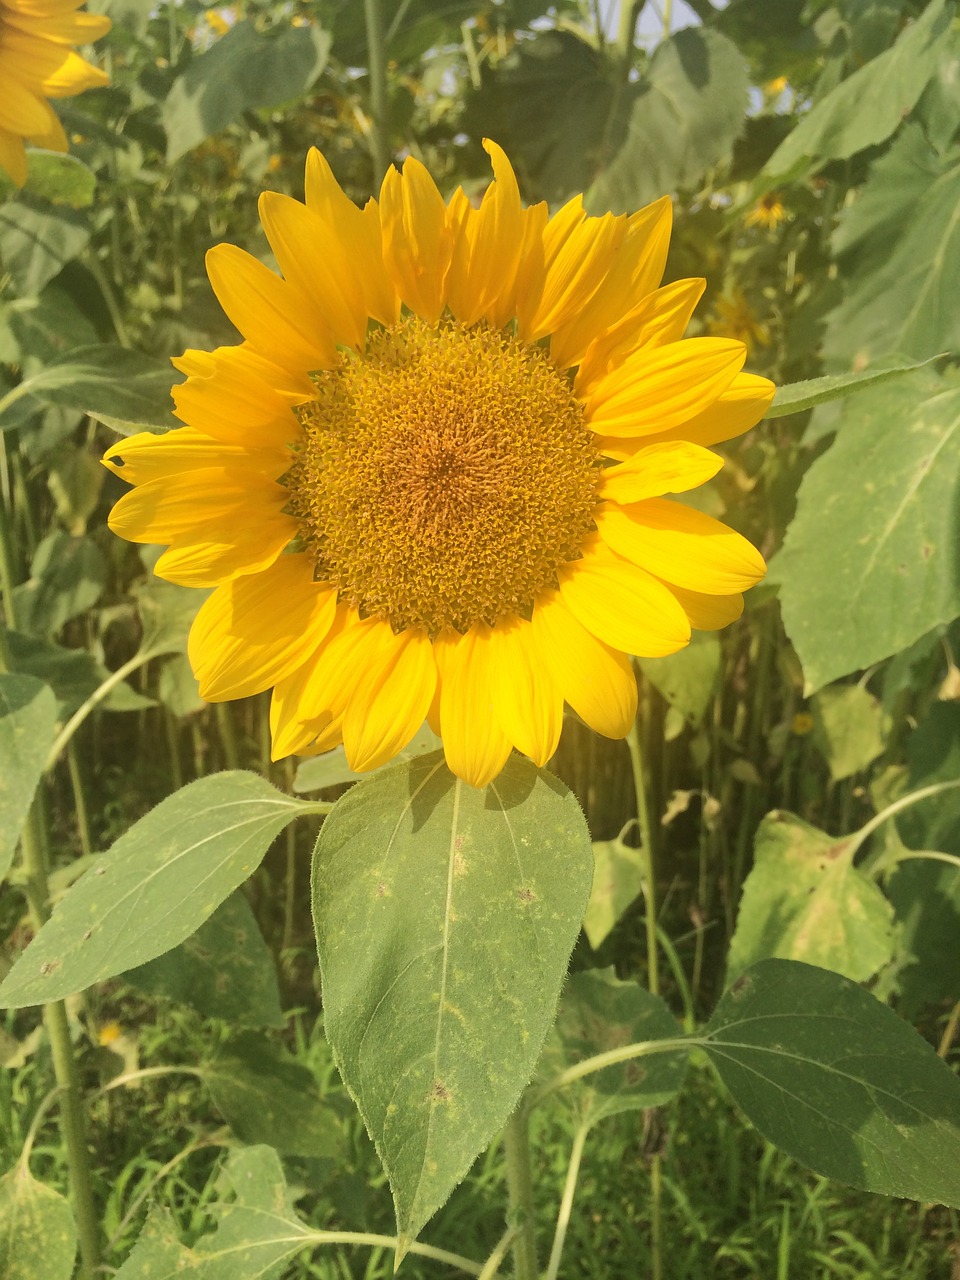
x: 734, y: 316
x: 37, y: 62
x: 769, y: 212
x: 217, y: 22
x: 109, y: 1032
x: 802, y: 724
x: 432, y: 480
x: 774, y: 88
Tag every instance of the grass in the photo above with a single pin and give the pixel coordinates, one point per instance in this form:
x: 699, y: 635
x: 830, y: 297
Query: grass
x: 733, y: 1207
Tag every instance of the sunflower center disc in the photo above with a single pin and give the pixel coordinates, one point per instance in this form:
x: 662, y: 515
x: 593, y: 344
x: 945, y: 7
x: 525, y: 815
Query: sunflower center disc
x: 444, y: 476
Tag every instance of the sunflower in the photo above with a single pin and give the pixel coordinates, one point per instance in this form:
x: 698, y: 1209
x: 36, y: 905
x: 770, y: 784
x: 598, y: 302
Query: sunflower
x: 37, y: 62
x: 431, y: 481
x: 768, y: 212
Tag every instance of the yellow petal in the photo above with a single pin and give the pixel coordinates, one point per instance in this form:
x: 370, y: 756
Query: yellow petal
x: 240, y: 397
x: 526, y: 699
x: 486, y: 245
x: 623, y: 605
x: 54, y: 70
x: 389, y: 705
x: 475, y: 746
x: 13, y: 157
x: 317, y: 268
x: 631, y: 275
x: 708, y: 613
x: 253, y: 631
x: 597, y: 681
x: 416, y: 239
x: 164, y: 509
x: 657, y: 469
x: 266, y: 311
x: 289, y: 735
x: 658, y: 389
x: 148, y: 456
x: 22, y: 111
x: 741, y: 407
x: 682, y: 546
x: 62, y: 28
x: 578, y: 254
x: 357, y: 232
x: 661, y: 317
x: 531, y: 268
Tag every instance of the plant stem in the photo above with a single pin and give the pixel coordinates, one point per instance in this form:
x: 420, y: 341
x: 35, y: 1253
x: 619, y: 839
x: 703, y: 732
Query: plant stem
x: 566, y: 1203
x: 377, y: 72
x: 37, y: 890
x: 520, y: 1214
x: 647, y: 854
x: 72, y: 1124
x: 79, y: 800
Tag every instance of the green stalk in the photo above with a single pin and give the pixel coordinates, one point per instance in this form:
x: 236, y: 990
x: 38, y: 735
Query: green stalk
x: 72, y: 1123
x: 653, y: 969
x: 377, y: 71
x: 520, y: 1214
x: 79, y: 800
x: 647, y: 854
x: 36, y: 887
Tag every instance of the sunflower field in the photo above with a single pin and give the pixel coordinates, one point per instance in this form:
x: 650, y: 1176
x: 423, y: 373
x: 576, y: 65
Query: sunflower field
x: 480, y: 646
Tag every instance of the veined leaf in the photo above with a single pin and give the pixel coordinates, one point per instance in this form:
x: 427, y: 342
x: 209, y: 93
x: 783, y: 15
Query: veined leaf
x: 28, y: 717
x: 155, y: 886
x: 445, y: 918
x: 834, y: 1078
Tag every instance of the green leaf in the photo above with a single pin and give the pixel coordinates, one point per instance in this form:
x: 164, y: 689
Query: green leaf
x: 835, y: 1079
x: 109, y: 383
x: 67, y: 576
x: 28, y: 720
x: 564, y: 84
x: 167, y: 611
x: 37, y: 242
x: 849, y: 728
x: 265, y: 1095
x: 933, y: 754
x: 158, y: 1253
x: 805, y: 900
x: 796, y: 397
x: 257, y: 1226
x: 58, y: 178
x: 225, y: 970
x: 598, y: 1013
x: 687, y: 113
x: 900, y: 252
x: 445, y: 917
x: 331, y: 769
x: 256, y: 1231
x: 178, y: 688
x: 38, y: 1240
x: 926, y: 893
x: 617, y: 882
x: 244, y: 70
x: 154, y: 888
x: 868, y: 563
x: 72, y: 674
x: 867, y: 107
x: 688, y: 678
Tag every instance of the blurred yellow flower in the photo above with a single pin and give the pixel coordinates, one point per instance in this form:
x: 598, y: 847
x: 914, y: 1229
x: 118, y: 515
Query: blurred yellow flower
x: 109, y: 1032
x: 769, y: 211
x: 217, y: 22
x: 802, y: 724
x: 774, y: 88
x: 37, y: 62
x: 734, y: 317
x: 430, y: 482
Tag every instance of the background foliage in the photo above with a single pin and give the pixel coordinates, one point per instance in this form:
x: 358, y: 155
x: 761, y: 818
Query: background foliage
x: 813, y: 152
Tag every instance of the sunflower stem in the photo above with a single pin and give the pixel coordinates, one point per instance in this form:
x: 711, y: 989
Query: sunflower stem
x: 377, y: 72
x: 37, y: 890
x: 520, y: 1212
x: 640, y: 785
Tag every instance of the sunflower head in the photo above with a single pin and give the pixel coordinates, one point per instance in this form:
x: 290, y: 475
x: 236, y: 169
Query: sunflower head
x: 37, y: 62
x: 433, y: 479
